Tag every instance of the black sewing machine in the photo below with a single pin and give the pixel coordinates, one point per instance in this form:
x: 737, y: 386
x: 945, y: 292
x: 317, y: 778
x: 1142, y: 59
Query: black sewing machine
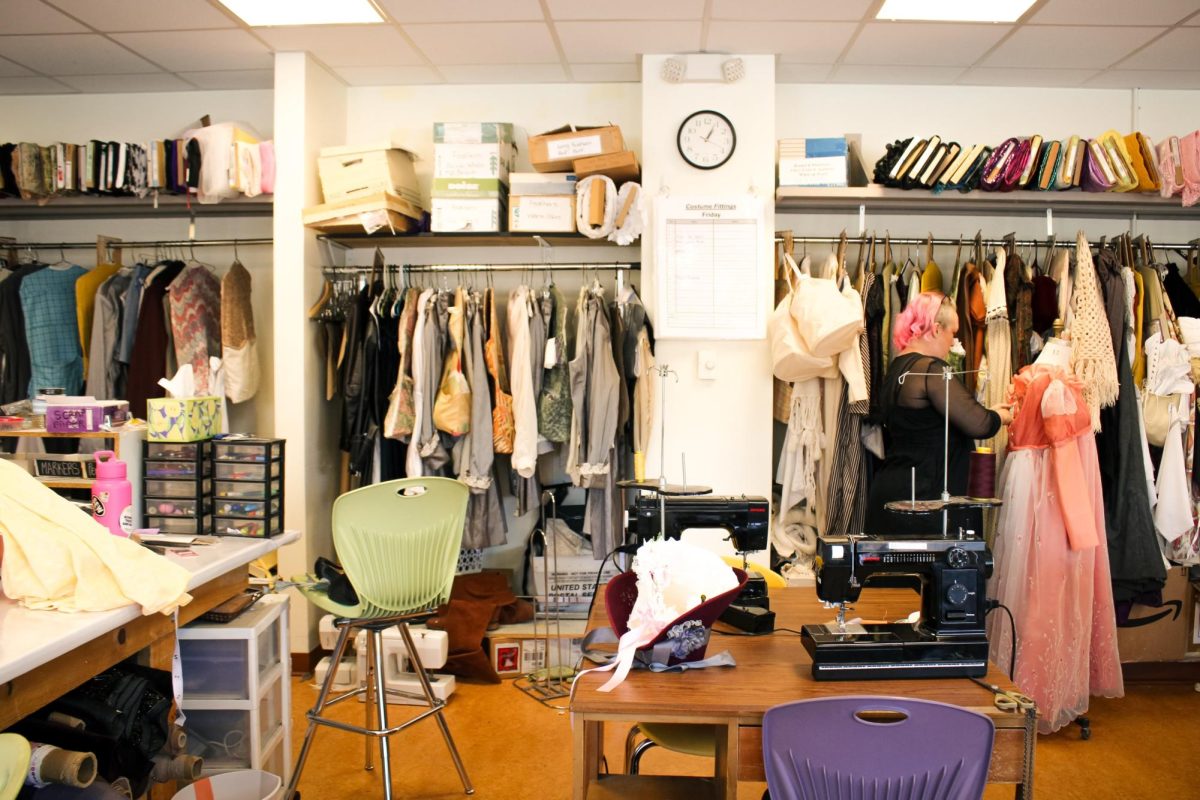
x: 747, y: 520
x: 949, y: 640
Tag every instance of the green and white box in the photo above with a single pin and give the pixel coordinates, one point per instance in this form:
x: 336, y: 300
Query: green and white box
x: 472, y: 188
x: 473, y: 160
x: 464, y: 215
x: 542, y: 183
x: 473, y: 132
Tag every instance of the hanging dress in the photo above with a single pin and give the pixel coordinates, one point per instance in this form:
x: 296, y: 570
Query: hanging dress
x: 1051, y: 561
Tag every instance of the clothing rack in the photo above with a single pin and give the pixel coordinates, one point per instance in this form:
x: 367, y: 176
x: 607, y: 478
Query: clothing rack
x: 120, y: 243
x: 597, y: 267
x: 969, y: 241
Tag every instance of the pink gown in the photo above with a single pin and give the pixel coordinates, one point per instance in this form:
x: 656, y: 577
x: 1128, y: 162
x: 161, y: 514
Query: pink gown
x: 1051, y: 554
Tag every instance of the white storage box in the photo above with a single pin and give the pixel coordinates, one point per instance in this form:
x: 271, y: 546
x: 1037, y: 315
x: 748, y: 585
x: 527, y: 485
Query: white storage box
x: 573, y: 582
x: 527, y: 183
x: 472, y: 132
x: 541, y: 214
x: 813, y: 162
x: 355, y: 171
x: 473, y: 160
x: 456, y: 215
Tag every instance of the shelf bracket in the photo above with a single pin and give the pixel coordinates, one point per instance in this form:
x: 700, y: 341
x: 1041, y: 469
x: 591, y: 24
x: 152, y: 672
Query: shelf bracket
x: 862, y: 218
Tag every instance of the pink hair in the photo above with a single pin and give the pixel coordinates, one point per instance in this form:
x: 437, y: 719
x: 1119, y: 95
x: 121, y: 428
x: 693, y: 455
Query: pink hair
x: 918, y: 319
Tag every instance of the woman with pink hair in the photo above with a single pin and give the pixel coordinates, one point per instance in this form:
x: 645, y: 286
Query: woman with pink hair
x: 914, y: 414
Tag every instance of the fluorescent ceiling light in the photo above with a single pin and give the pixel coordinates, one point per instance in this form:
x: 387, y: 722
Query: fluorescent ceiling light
x: 261, y: 13
x: 955, y: 10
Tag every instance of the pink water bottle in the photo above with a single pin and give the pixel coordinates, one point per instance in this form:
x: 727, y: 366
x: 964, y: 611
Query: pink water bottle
x: 112, y: 494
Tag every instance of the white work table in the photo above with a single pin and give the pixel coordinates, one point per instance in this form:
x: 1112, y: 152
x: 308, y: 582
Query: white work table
x: 46, y: 653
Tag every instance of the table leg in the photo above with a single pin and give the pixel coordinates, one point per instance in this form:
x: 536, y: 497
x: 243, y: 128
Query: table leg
x: 589, y: 740
x: 727, y: 759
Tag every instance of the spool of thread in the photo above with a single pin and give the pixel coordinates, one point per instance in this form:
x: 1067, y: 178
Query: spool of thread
x: 981, y: 474
x: 50, y: 764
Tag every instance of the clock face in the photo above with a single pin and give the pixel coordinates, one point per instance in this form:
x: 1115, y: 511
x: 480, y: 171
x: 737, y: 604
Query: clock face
x: 706, y: 139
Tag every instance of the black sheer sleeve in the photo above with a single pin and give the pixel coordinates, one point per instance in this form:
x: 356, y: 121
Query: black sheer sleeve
x: 929, y: 389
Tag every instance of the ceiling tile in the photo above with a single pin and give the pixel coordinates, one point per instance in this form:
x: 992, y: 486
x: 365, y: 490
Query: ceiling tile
x: 1179, y: 49
x: 1075, y: 47
x: 72, y: 54
x: 905, y: 73
x: 1146, y: 79
x: 102, y: 84
x: 199, y: 50
x: 346, y: 45
x: 485, y: 43
x: 625, y: 9
x: 1018, y: 76
x: 462, y: 10
x: 232, y: 78
x: 1113, y: 12
x: 606, y: 73
x: 34, y: 16
x: 622, y: 42
x: 802, y: 73
x: 145, y: 15
x: 34, y: 85
x: 10, y: 70
x: 806, y: 42
x: 387, y: 76
x: 849, y: 10
x: 504, y: 73
x: 928, y: 44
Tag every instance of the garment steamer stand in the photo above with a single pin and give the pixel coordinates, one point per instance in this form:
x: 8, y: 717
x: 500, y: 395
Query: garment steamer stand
x: 551, y: 682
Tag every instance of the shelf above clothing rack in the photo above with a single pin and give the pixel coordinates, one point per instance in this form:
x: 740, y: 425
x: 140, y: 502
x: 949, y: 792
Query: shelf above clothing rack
x: 116, y: 244
x: 466, y: 240
x: 599, y: 266
x: 91, y: 207
x: 886, y: 200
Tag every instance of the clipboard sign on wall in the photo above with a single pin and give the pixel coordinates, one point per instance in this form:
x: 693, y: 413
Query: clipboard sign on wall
x: 710, y: 268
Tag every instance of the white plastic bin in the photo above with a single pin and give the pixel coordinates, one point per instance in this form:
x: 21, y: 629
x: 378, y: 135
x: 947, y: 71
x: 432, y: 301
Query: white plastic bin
x: 244, y: 784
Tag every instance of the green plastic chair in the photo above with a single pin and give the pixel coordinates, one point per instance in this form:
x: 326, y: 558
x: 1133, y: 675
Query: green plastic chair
x: 398, y: 543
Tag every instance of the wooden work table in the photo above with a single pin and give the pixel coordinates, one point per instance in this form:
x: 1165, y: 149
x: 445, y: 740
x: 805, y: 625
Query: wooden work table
x: 44, y: 654
x: 771, y: 670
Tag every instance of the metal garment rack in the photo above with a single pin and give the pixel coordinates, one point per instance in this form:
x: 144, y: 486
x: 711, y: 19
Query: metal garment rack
x: 968, y: 242
x: 632, y: 266
x: 123, y: 243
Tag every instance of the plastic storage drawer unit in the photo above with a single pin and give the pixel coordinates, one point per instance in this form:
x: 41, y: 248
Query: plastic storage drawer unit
x: 247, y: 490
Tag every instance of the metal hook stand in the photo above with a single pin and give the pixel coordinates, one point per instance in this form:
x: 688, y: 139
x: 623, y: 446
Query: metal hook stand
x: 553, y: 681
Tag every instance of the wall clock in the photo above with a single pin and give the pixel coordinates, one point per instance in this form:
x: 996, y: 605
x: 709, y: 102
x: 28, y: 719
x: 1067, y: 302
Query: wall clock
x: 706, y: 139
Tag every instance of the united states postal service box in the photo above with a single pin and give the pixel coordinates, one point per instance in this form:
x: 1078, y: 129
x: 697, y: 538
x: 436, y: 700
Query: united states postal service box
x: 182, y: 419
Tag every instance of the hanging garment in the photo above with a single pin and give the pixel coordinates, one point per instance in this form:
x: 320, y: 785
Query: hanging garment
x: 1135, y: 311
x: 931, y: 278
x: 643, y: 402
x: 889, y: 313
x: 1092, y: 358
x: 434, y: 344
x: 399, y: 419
x: 391, y: 453
x: 554, y: 401
x: 638, y: 357
x: 151, y: 342
x: 503, y: 427
x: 132, y: 305
x: 873, y: 309
x: 846, y: 494
x: 524, y: 458
x: 1169, y: 390
x: 351, y: 368
x: 972, y: 318
x: 1183, y: 299
x: 85, y: 304
x: 485, y: 525
x: 239, y: 343
x: 412, y: 463
x: 594, y: 402
x: 105, y: 374
x: 1018, y: 291
x: 1050, y: 570
x: 1112, y: 291
x: 14, y: 349
x: 195, y: 297
x: 999, y: 353
x: 52, y: 329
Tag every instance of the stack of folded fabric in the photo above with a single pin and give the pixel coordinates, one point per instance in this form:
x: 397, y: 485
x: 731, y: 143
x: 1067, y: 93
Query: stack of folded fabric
x: 1108, y: 163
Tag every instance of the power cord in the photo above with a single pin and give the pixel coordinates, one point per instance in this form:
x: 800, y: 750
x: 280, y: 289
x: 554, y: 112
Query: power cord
x: 1012, y: 657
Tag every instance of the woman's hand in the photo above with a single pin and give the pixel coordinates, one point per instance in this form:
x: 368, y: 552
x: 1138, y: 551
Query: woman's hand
x: 1005, y: 412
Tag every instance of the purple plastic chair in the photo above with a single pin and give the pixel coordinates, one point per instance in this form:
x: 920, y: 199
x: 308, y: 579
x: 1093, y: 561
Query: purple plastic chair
x: 875, y: 748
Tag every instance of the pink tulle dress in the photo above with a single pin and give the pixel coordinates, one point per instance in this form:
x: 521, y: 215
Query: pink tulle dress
x: 1051, y: 553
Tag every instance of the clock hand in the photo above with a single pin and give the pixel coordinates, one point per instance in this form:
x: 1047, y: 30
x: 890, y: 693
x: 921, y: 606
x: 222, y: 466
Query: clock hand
x: 710, y: 131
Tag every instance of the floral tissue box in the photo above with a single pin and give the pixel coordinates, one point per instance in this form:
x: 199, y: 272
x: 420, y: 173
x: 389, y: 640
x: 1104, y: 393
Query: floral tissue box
x: 182, y: 419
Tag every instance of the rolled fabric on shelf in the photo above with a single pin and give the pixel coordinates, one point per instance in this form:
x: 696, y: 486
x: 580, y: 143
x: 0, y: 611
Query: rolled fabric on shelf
x: 595, y: 226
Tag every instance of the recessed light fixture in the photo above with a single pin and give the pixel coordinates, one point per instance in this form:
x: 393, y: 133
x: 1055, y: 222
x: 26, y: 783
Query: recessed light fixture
x: 955, y: 10
x: 263, y: 13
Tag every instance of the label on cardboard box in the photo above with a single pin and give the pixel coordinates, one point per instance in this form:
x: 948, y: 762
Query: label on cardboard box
x: 542, y: 213
x: 472, y: 132
x: 575, y: 147
x: 463, y: 215
x: 816, y: 172
x: 472, y: 160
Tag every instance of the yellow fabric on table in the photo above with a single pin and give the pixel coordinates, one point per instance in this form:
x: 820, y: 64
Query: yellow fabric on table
x: 56, y: 557
x: 85, y: 303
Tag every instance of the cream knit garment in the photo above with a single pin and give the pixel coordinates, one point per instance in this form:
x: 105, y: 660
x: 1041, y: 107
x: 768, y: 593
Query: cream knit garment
x: 1092, y: 358
x: 58, y: 558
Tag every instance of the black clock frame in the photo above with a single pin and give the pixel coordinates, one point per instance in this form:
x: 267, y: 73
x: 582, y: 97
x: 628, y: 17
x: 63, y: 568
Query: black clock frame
x: 679, y: 139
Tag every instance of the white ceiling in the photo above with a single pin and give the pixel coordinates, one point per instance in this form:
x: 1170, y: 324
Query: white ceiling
x: 94, y: 46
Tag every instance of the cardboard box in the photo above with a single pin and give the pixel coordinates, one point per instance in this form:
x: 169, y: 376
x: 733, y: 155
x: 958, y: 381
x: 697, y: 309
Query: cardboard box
x: 542, y: 183
x: 621, y: 167
x: 556, y: 150
x: 541, y: 214
x: 473, y: 132
x: 474, y: 160
x: 477, y: 188
x: 182, y: 419
x: 370, y: 213
x: 506, y: 656
x: 814, y: 162
x: 355, y: 171
x: 574, y: 580
x: 454, y: 215
x: 1167, y: 638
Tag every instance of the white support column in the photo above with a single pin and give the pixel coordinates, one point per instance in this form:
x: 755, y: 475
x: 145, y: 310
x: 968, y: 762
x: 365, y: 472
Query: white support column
x: 310, y: 113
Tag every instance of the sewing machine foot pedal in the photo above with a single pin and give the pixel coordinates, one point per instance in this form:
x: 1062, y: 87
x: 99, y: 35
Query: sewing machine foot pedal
x: 751, y: 619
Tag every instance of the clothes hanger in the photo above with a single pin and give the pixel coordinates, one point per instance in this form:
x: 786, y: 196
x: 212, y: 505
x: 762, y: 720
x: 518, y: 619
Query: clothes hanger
x: 318, y: 307
x: 62, y: 263
x: 929, y: 248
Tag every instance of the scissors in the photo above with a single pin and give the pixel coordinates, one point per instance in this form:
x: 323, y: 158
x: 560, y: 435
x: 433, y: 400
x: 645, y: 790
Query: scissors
x: 1007, y: 700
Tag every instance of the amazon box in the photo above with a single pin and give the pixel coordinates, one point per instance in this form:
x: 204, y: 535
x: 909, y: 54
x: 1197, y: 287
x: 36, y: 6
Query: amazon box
x: 1165, y: 639
x: 556, y: 150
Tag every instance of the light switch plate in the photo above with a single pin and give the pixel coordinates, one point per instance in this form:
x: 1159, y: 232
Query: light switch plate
x: 706, y: 365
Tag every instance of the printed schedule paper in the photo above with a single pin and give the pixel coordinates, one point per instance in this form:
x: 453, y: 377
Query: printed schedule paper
x: 709, y: 268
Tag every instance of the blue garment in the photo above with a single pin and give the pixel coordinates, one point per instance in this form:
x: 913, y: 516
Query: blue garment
x: 52, y: 329
x: 133, y: 297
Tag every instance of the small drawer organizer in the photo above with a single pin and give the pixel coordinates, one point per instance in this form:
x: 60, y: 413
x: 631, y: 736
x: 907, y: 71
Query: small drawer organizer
x: 177, y: 486
x: 248, y: 475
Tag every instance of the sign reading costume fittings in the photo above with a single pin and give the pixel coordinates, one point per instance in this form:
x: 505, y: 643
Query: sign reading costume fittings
x: 710, y: 274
